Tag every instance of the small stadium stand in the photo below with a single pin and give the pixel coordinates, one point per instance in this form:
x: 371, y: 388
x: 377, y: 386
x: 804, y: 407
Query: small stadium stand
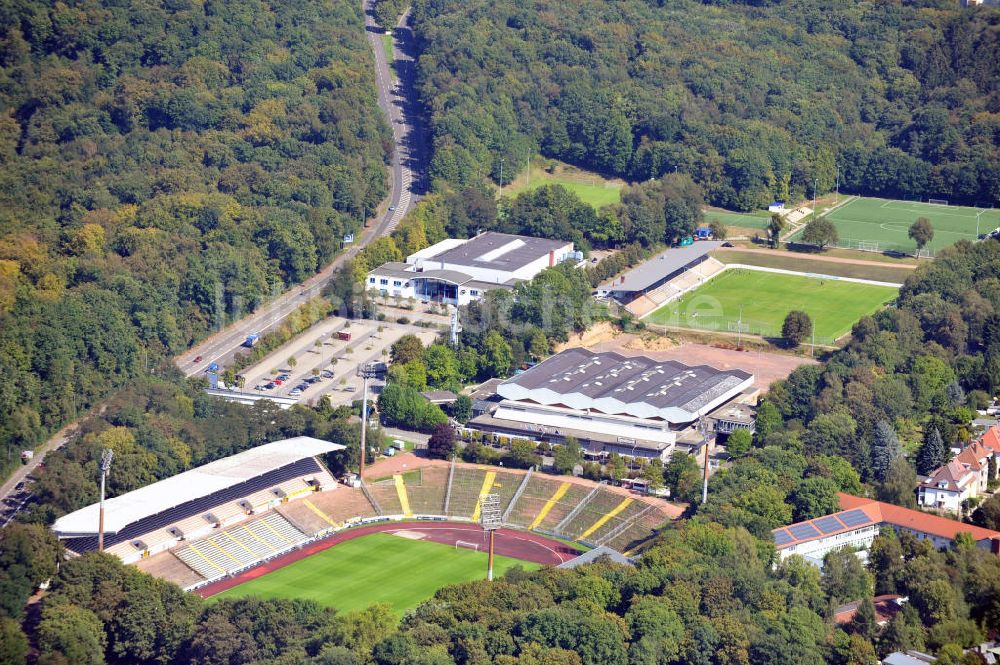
x: 199, y: 504
x: 242, y: 546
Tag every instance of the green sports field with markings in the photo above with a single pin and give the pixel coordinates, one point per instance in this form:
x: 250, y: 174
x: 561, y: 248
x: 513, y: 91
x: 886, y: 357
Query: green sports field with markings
x: 757, y: 302
x: 887, y: 221
x: 738, y: 219
x: 378, y: 568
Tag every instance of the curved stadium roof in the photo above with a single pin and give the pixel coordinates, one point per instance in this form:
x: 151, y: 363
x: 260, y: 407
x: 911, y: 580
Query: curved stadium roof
x: 138, y: 504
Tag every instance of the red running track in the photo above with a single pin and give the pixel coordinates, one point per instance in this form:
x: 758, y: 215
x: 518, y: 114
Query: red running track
x: 522, y: 545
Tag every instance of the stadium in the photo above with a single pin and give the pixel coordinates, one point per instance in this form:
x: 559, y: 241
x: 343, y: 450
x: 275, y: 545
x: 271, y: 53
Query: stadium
x: 243, y: 517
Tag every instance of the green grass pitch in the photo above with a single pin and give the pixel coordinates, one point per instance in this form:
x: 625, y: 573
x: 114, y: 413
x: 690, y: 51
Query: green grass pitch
x: 738, y: 219
x: 378, y: 568
x: 766, y: 298
x: 887, y: 222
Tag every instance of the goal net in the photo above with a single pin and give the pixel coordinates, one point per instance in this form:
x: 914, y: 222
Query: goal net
x: 465, y: 544
x: 937, y: 202
x: 868, y: 245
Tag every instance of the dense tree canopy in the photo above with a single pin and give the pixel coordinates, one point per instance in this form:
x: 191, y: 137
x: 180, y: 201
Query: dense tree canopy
x: 166, y: 167
x: 754, y: 100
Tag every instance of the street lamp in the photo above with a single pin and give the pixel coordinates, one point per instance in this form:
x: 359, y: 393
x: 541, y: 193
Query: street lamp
x: 490, y: 519
x: 367, y: 371
x: 106, y: 456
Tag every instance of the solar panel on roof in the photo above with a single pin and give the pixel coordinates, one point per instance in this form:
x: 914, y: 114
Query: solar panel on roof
x: 803, y: 531
x: 854, y: 518
x: 828, y: 524
x: 782, y: 538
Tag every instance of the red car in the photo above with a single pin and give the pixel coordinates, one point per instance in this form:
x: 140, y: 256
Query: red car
x: 278, y: 382
x: 197, y: 359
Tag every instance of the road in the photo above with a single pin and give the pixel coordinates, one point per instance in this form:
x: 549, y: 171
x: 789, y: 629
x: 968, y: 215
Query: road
x: 397, y: 98
x: 13, y: 490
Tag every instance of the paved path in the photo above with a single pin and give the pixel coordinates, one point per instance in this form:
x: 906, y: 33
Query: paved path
x: 397, y: 97
x: 819, y: 258
x: 398, y: 100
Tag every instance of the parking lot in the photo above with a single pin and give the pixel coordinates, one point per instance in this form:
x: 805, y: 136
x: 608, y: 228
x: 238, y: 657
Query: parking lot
x: 319, y: 362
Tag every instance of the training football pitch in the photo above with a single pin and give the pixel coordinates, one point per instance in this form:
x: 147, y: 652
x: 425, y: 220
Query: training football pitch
x: 765, y: 298
x: 738, y: 219
x: 377, y: 568
x: 861, y: 222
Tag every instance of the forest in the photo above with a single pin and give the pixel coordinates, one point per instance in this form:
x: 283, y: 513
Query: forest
x: 165, y: 168
x: 755, y: 101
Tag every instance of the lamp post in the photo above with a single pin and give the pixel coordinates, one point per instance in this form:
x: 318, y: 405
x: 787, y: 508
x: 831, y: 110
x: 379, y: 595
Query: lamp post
x: 367, y: 371
x: 490, y: 519
x: 106, y: 456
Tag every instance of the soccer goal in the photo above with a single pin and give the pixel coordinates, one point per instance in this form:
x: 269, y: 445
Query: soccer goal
x: 937, y: 202
x: 868, y: 245
x: 466, y: 545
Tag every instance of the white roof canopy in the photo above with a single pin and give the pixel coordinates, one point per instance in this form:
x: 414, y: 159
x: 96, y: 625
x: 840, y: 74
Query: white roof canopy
x: 123, y: 510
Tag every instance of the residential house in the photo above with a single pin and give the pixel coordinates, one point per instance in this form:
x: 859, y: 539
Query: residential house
x: 965, y: 477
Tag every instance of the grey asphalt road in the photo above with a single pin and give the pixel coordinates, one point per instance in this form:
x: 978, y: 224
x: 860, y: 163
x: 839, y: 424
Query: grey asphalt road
x: 397, y: 97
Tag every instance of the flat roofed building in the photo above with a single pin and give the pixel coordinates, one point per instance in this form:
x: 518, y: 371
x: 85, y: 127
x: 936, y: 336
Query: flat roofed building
x: 456, y: 271
x: 612, y: 403
x: 657, y: 271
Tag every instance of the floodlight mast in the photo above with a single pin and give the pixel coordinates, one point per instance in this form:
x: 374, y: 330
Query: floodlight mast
x: 490, y: 519
x: 370, y: 370
x: 106, y: 456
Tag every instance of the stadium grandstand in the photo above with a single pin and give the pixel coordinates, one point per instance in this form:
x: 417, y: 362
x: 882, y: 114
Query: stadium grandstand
x: 231, y: 515
x: 209, y: 521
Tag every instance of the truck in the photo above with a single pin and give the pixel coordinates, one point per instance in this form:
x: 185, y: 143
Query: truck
x: 251, y: 340
x: 344, y: 335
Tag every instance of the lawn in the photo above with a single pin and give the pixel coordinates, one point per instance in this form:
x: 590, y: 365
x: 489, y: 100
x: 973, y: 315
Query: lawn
x: 590, y: 187
x: 766, y: 298
x: 894, y: 273
x: 738, y: 219
x: 378, y: 568
x: 887, y: 222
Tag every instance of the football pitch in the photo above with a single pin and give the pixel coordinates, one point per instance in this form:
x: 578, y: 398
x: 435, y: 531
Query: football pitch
x: 765, y: 298
x: 738, y: 219
x: 378, y: 568
x: 863, y: 221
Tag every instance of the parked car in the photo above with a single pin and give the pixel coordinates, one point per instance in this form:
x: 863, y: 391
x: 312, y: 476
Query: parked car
x: 295, y: 392
x: 278, y: 382
x: 259, y: 386
x: 313, y: 379
x: 326, y: 374
x: 197, y: 359
x: 269, y: 386
x: 302, y: 386
x: 284, y: 377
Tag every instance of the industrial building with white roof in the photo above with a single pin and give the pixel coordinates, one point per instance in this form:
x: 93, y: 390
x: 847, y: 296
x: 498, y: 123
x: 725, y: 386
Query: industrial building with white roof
x: 457, y: 272
x: 631, y: 405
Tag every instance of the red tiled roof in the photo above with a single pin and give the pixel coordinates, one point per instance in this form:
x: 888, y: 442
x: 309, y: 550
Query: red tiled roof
x: 955, y: 475
x: 885, y: 608
x: 975, y: 455
x: 915, y: 520
x: 991, y: 439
